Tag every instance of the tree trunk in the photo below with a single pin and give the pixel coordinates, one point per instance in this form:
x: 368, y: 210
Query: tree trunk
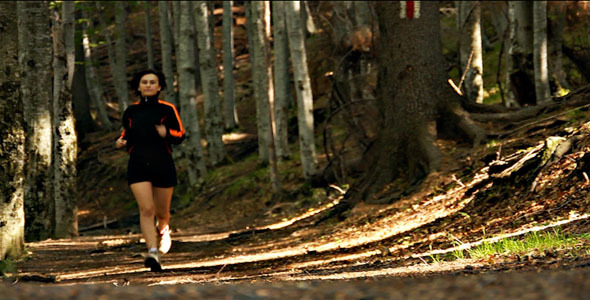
x: 116, y: 69
x: 167, y: 43
x: 555, y: 44
x: 96, y: 91
x: 230, y: 113
x: 249, y: 26
x: 415, y: 101
x: 520, y: 61
x: 185, y: 60
x: 281, y: 79
x: 12, y: 139
x: 34, y: 56
x: 84, y: 121
x: 148, y: 35
x: 540, y: 52
x: 64, y: 139
x: 302, y: 88
x: 176, y: 14
x: 263, y: 87
x: 471, y: 50
x: 210, y: 84
x: 120, y: 72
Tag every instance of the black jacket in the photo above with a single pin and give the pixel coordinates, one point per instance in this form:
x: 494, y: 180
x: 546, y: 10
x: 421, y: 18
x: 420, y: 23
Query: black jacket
x: 139, y: 122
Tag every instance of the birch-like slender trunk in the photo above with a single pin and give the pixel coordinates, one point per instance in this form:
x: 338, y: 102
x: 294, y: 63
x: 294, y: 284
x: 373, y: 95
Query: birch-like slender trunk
x: 64, y: 139
x: 263, y: 86
x: 148, y: 35
x: 281, y: 79
x: 302, y: 88
x: 230, y: 113
x: 540, y: 52
x: 210, y: 85
x: 471, y: 54
x: 166, y: 45
x: 95, y: 87
x: 120, y: 73
x: 192, y: 149
x: 34, y: 57
x: 12, y: 140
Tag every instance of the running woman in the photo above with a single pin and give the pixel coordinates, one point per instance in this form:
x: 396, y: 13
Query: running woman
x: 150, y: 126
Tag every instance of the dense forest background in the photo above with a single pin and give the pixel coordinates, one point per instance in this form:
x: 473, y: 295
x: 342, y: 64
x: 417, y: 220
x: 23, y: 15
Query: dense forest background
x: 286, y: 104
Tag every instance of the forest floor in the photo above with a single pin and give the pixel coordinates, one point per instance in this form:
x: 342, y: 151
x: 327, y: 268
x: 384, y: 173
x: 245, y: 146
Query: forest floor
x: 233, y: 241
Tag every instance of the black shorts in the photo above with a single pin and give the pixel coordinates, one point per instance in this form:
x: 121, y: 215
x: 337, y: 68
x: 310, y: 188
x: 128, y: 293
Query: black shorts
x: 161, y: 172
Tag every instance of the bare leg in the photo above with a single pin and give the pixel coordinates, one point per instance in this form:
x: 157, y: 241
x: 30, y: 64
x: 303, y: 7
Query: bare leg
x: 162, y: 197
x: 147, y: 210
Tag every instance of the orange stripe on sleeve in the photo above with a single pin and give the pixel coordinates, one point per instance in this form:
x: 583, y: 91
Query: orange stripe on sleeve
x: 176, y: 133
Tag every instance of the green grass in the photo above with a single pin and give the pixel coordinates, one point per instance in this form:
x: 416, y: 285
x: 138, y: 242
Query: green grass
x: 531, y: 242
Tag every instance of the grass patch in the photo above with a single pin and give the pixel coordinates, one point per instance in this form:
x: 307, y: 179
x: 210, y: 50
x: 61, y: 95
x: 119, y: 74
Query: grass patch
x: 531, y: 242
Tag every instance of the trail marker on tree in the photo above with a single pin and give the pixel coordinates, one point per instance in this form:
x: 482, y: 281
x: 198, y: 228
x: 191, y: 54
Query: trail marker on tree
x: 409, y: 9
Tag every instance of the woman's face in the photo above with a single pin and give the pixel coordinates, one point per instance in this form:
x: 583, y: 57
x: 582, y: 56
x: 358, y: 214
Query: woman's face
x: 149, y: 85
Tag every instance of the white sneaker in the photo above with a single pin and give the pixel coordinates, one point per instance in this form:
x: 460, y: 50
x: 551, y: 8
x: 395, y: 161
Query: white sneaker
x: 165, y: 240
x: 152, y: 261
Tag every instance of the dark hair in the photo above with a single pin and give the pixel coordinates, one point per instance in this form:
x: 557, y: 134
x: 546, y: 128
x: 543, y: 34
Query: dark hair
x: 137, y: 78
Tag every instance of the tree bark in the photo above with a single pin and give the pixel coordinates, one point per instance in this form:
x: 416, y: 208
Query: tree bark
x: 167, y: 43
x: 96, y: 91
x: 230, y: 113
x: 34, y: 57
x: 281, y: 79
x: 540, y: 52
x: 185, y: 60
x: 117, y: 70
x: 12, y: 139
x: 471, y: 49
x: 520, y: 61
x: 415, y: 101
x: 210, y: 84
x: 120, y: 72
x: 555, y: 44
x: 64, y: 140
x: 148, y: 35
x: 263, y: 87
x: 302, y: 88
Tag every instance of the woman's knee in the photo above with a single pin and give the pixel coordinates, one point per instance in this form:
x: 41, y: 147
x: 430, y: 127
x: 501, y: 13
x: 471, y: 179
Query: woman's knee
x: 147, y: 210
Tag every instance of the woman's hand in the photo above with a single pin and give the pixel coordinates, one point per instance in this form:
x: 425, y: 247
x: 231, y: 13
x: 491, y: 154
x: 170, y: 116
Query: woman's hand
x: 120, y: 143
x: 161, y: 129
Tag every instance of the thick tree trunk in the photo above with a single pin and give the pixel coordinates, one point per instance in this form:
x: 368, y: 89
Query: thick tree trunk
x: 263, y: 87
x: 210, y: 84
x: 520, y: 61
x: 471, y: 53
x: 302, y: 88
x: 540, y: 52
x: 64, y: 140
x: 555, y: 38
x: 34, y: 56
x: 166, y: 42
x: 148, y: 35
x: 281, y: 79
x: 176, y: 15
x: 230, y: 113
x: 192, y: 149
x: 415, y: 101
x: 12, y: 139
